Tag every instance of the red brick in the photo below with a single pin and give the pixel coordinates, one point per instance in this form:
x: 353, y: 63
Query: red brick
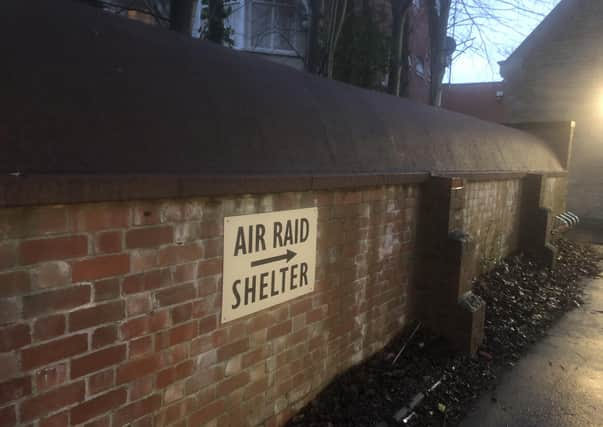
x: 230, y: 350
x: 172, y: 255
x: 100, y: 422
x: 145, y: 324
x: 138, y: 368
x: 181, y: 313
x: 175, y: 373
x: 212, y: 248
x: 53, y: 301
x: 136, y: 410
x: 138, y: 304
x: 106, y: 289
x: 108, y: 242
x: 49, y: 327
x: 51, y: 376
x: 88, y: 317
x: 209, y: 267
x: 208, y: 324
x: 13, y: 337
x: 59, y: 398
x: 144, y: 260
x: 253, y: 357
x: 231, y: 384
x: 97, y: 361
x: 255, y: 388
x: 8, y: 416
x: 176, y: 295
x: 8, y: 255
x: 208, y: 413
x: 146, y: 281
x: 149, y: 237
x: 58, y: 420
x: 14, y: 389
x: 9, y: 365
x: 52, y: 351
x: 203, y: 378
x: 185, y: 273
x: 28, y: 222
x: 259, y: 321
x: 140, y: 346
x: 101, y: 381
x: 101, y: 404
x: 301, y: 307
x: 9, y: 311
x: 100, y: 217
x: 56, y: 248
x: 14, y: 284
x: 315, y: 315
x: 104, y: 336
x: 52, y: 274
x: 176, y: 335
x: 141, y: 387
x: 207, y: 285
x: 279, y: 330
x: 100, y: 267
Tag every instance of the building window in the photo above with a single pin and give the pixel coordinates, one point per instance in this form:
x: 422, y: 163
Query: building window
x: 276, y: 27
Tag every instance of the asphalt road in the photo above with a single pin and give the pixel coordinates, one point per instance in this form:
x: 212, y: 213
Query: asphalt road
x: 559, y: 383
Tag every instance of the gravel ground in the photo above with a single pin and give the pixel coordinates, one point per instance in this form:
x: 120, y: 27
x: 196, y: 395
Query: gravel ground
x: 438, y: 385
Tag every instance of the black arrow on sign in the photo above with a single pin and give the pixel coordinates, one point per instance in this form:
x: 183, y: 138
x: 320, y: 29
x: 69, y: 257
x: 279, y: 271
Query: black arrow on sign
x: 290, y: 254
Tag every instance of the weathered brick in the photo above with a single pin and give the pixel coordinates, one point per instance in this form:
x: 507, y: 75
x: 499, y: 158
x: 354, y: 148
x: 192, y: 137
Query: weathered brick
x: 55, y: 248
x: 231, y: 384
x: 53, y: 301
x: 230, y: 350
x: 51, y: 376
x: 181, y: 313
x: 101, y: 381
x: 107, y: 289
x: 301, y: 307
x: 108, y: 242
x: 8, y: 254
x: 146, y: 281
x: 203, y: 378
x: 96, y: 361
x: 100, y: 422
x: 149, y: 237
x: 54, y: 350
x: 174, y: 373
x: 136, y: 410
x: 14, y: 337
x: 104, y: 336
x: 209, y: 267
x: 141, y: 387
x: 185, y: 273
x: 58, y: 420
x: 59, y: 398
x: 172, y: 255
x: 255, y: 388
x: 138, y: 368
x: 14, y: 389
x: 14, y: 284
x: 145, y: 324
x: 208, y: 324
x: 32, y: 221
x: 94, y: 407
x: 88, y: 317
x: 138, y: 304
x: 8, y: 365
x: 175, y: 295
x: 207, y: 413
x: 100, y: 267
x: 100, y: 217
x: 143, y: 260
x: 140, y: 346
x: 279, y: 330
x: 176, y: 335
x: 8, y: 416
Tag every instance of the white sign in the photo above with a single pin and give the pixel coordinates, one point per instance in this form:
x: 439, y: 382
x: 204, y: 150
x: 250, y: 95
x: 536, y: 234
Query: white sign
x: 269, y: 258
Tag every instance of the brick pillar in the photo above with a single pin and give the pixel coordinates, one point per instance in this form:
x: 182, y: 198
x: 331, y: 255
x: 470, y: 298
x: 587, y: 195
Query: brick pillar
x: 446, y: 303
x: 536, y: 222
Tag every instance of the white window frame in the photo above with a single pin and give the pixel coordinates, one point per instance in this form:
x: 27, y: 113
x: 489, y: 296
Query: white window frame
x: 275, y: 4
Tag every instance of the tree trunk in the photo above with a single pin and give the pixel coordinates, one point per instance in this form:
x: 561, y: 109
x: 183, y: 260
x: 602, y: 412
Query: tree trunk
x: 399, y: 14
x: 181, y: 16
x: 312, y: 63
x: 216, y: 31
x: 336, y: 18
x: 438, y: 26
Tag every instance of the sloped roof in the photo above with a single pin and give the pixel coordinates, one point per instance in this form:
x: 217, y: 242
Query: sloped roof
x: 88, y: 94
x: 542, y: 33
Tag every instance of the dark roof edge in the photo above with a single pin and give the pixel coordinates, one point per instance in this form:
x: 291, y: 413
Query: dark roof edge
x: 32, y: 190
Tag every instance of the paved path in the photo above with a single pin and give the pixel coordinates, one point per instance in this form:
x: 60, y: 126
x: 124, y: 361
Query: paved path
x: 559, y: 383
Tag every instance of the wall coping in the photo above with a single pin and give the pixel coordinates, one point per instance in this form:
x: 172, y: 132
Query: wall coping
x: 32, y: 190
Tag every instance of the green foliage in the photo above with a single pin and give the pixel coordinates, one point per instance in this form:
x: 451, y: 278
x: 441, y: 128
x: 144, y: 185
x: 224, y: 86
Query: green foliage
x: 362, y: 55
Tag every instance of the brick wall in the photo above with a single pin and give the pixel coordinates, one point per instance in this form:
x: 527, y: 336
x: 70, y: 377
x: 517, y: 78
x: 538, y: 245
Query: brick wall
x: 109, y: 312
x: 491, y: 217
